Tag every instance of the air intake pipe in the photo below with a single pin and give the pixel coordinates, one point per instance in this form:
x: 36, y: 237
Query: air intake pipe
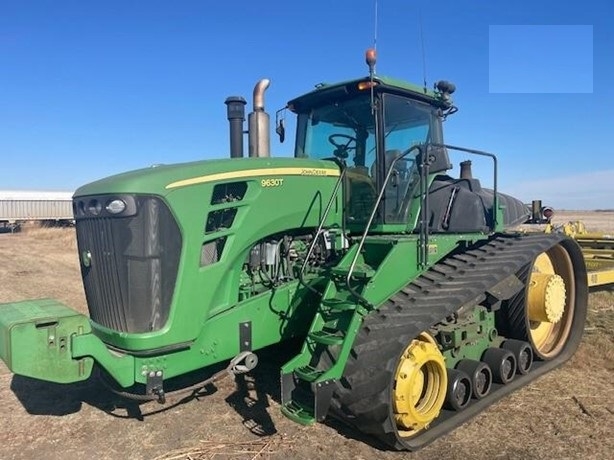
x: 258, y: 123
x: 235, y: 108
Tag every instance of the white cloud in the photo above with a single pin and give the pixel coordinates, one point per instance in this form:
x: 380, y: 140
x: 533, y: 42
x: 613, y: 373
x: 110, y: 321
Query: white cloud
x: 593, y: 190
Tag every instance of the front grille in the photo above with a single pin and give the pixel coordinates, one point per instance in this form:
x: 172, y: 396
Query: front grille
x: 129, y: 265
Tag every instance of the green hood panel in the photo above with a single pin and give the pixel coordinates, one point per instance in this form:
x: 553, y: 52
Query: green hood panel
x: 162, y: 179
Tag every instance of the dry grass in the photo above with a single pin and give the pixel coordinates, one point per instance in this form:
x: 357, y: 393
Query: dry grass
x: 62, y: 234
x: 258, y: 448
x: 568, y: 413
x: 41, y: 262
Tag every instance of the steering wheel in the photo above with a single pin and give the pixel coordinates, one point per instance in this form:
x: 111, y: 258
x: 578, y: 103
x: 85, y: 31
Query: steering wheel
x: 341, y: 148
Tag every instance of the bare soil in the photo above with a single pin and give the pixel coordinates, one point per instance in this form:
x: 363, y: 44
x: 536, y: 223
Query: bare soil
x: 568, y: 413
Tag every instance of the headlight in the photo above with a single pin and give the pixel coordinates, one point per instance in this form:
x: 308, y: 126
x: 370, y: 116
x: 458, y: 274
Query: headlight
x: 94, y: 207
x: 115, y: 206
x: 105, y: 206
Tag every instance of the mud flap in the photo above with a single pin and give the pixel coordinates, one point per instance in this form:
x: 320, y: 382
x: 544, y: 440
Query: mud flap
x: 35, y: 340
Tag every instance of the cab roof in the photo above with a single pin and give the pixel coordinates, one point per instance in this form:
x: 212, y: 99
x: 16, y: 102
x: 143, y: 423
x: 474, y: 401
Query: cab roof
x: 325, y: 92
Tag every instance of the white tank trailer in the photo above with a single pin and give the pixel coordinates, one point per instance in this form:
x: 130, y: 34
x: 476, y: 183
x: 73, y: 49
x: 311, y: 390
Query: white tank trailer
x: 18, y: 206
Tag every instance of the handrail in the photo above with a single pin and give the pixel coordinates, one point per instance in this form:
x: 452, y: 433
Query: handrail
x: 361, y: 243
x: 319, y: 230
x: 494, y: 159
x: 423, y: 236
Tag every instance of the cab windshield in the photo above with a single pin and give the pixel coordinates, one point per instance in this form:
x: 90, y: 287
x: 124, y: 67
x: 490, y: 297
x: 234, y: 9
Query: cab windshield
x: 367, y: 138
x: 345, y: 130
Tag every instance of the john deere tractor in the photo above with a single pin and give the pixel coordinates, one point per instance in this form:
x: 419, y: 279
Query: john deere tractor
x: 417, y: 303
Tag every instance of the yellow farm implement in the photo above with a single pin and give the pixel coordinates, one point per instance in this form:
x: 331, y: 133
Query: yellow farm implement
x: 598, y: 251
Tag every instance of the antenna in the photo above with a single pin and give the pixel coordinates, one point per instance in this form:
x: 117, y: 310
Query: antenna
x: 370, y: 57
x: 375, y: 27
x: 422, y: 46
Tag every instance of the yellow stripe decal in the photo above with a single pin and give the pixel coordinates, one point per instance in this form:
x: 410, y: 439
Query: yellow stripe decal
x: 255, y: 173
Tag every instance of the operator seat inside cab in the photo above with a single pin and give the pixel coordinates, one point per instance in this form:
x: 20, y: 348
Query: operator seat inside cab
x: 360, y: 192
x: 397, y: 188
x: 401, y: 165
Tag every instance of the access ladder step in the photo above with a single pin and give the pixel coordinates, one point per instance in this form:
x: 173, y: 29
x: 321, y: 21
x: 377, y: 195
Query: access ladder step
x: 362, y: 272
x: 338, y: 304
x: 327, y: 338
x: 308, y: 373
x: 298, y: 413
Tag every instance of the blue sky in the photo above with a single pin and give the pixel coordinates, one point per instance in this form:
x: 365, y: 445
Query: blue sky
x: 89, y: 89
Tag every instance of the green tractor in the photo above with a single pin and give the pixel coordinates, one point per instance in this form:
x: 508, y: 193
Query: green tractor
x: 417, y: 304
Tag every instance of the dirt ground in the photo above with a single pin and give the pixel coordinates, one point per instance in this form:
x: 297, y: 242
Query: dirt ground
x: 568, y: 413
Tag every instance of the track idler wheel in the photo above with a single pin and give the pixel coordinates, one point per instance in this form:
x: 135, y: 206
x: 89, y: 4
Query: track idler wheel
x: 459, y: 390
x: 502, y: 364
x: 480, y: 375
x: 551, y: 311
x: 420, y: 386
x: 522, y: 352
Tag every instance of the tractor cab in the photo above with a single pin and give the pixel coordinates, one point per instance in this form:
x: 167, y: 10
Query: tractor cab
x: 370, y: 126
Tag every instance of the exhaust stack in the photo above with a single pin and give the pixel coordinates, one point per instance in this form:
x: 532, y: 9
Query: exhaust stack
x: 465, y: 170
x: 235, y: 107
x: 536, y: 210
x: 258, y: 123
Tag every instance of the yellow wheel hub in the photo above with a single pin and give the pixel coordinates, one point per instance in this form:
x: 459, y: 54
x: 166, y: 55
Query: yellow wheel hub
x: 546, y: 297
x: 420, y: 385
x: 550, y: 301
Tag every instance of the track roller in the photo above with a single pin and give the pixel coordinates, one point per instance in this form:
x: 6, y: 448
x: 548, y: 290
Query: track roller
x: 502, y: 364
x: 523, y: 353
x: 459, y: 390
x: 480, y: 375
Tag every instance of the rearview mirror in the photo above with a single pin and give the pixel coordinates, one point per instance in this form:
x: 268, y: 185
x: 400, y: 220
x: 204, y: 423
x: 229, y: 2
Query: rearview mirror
x: 280, y: 127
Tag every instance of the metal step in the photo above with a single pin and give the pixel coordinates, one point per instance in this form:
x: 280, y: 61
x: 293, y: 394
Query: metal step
x: 298, y: 413
x: 338, y: 304
x: 327, y: 338
x: 360, y: 272
x: 307, y: 373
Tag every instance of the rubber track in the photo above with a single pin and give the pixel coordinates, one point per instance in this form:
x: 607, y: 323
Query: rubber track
x: 363, y: 395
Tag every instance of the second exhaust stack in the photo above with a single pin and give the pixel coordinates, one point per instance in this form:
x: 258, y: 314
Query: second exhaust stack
x: 236, y: 116
x: 258, y: 123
